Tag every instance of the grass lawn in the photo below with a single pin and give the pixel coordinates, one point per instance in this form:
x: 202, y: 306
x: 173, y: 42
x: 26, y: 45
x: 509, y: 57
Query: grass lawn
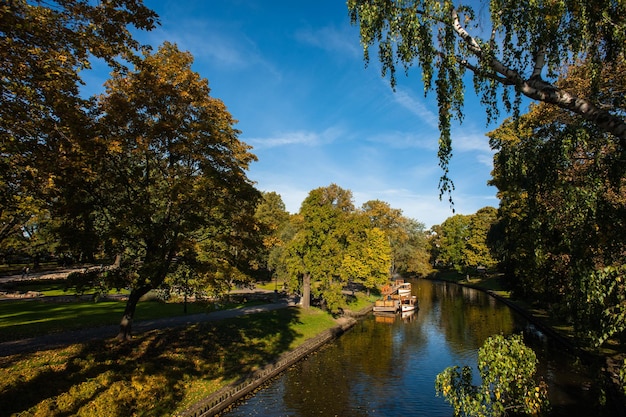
x: 157, y: 373
x: 27, y: 318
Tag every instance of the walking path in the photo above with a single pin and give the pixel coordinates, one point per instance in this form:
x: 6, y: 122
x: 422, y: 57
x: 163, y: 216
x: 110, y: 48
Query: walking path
x: 55, y: 340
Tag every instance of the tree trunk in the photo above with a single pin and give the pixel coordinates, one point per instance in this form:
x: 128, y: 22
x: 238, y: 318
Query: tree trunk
x: 306, y: 290
x: 129, y: 313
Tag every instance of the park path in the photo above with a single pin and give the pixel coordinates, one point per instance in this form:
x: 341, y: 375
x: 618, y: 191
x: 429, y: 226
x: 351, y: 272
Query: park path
x: 55, y: 340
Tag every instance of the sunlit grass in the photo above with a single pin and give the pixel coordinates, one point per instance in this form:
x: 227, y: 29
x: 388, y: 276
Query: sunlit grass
x: 157, y: 373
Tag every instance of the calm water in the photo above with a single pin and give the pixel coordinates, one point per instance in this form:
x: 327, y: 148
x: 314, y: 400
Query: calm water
x: 386, y: 366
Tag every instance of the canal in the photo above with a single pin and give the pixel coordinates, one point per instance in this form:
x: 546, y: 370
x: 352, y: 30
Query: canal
x: 386, y: 366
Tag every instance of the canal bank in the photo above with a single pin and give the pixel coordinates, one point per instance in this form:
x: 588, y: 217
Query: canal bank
x: 220, y: 400
x: 608, y: 365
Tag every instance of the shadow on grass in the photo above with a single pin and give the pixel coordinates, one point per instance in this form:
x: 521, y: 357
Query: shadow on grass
x: 149, y: 375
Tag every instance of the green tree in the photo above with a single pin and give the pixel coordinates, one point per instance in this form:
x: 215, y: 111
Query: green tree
x: 454, y: 234
x: 563, y: 204
x: 477, y: 251
x: 44, y: 46
x: 334, y: 244
x: 506, y: 367
x: 170, y: 175
x: 367, y: 254
x: 273, y: 218
x: 316, y: 251
x: 406, y: 237
x: 512, y: 49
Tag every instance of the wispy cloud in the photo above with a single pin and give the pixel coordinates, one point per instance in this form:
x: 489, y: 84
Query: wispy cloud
x: 404, y: 140
x: 216, y: 43
x: 301, y: 137
x: 466, y: 140
x: 417, y: 107
x: 337, y: 41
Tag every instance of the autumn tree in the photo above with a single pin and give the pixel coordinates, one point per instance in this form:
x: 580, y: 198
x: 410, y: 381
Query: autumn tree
x: 169, y: 175
x: 44, y: 47
x: 510, y: 48
x: 273, y: 218
x: 406, y: 236
x: 367, y: 253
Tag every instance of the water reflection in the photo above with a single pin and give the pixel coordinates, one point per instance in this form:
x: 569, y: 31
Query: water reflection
x: 386, y: 365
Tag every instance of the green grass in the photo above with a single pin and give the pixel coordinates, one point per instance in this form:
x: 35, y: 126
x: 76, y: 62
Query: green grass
x: 360, y: 301
x: 157, y: 373
x: 27, y: 318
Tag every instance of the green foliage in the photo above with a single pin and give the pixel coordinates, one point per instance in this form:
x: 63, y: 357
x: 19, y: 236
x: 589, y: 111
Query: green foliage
x: 603, y: 314
x: 563, y: 209
x: 508, y: 48
x: 461, y: 241
x: 506, y: 367
x: 336, y: 245
x: 44, y: 46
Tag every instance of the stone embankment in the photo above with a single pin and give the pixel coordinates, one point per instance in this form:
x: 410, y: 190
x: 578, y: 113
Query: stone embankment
x: 227, y: 396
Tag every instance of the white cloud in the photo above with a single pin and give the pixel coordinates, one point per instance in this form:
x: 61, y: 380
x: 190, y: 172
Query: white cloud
x: 416, y: 107
x: 301, y: 137
x: 465, y: 139
x: 341, y: 42
x: 404, y: 140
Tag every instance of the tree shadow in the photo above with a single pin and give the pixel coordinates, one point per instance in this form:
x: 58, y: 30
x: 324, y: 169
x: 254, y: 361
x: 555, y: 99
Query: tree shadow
x: 149, y: 375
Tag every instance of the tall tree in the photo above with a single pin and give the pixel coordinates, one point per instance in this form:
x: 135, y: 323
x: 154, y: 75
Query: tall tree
x: 512, y: 49
x: 44, y: 46
x: 477, y: 251
x: 367, y: 253
x: 170, y: 172
x: 563, y: 203
x: 316, y: 251
x: 273, y: 218
x: 406, y: 237
x: 454, y: 233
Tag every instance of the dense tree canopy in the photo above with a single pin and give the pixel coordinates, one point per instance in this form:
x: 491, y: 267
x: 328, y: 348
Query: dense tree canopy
x: 462, y: 241
x: 563, y: 205
x: 167, y: 175
x: 43, y: 48
x: 511, y: 48
x: 409, y: 247
x: 335, y: 244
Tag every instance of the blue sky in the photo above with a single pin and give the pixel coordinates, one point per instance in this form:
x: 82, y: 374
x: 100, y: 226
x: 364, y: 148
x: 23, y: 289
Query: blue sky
x: 292, y: 73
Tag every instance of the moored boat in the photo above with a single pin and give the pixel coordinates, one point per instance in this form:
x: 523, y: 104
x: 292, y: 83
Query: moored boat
x: 403, y: 288
x: 388, y: 304
x: 408, y: 303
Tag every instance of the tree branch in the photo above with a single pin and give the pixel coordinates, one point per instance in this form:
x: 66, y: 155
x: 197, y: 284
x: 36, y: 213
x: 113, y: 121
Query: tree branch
x: 537, y: 89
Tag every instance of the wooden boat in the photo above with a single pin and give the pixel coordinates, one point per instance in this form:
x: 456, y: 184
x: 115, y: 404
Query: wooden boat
x: 389, y: 304
x: 408, y: 303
